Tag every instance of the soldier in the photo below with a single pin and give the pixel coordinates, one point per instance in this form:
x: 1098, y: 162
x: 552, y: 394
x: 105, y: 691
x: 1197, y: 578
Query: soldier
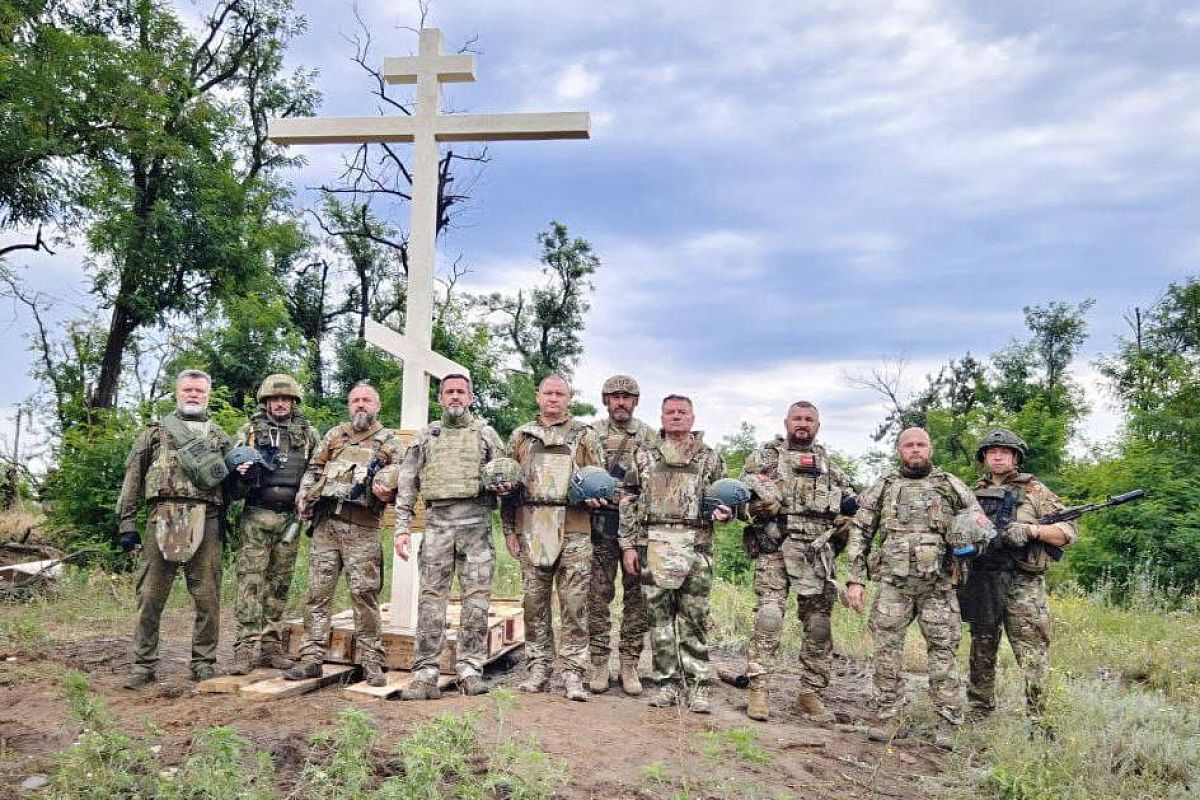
x: 662, y: 516
x: 810, y: 489
x: 551, y: 540
x: 10, y: 485
x: 178, y: 464
x: 285, y: 440
x: 620, y: 435
x: 345, y: 493
x: 1007, y: 585
x: 445, y: 463
x: 915, y: 509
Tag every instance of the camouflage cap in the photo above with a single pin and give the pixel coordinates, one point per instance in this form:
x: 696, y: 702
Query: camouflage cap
x: 620, y: 384
x: 1002, y: 437
x: 280, y: 385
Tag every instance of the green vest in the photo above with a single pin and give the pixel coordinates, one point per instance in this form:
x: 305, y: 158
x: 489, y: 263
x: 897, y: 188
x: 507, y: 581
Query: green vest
x: 454, y: 456
x: 915, y: 515
x: 166, y: 478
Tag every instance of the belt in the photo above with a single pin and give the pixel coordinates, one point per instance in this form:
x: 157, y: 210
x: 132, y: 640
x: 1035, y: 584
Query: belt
x: 278, y: 508
x: 356, y: 515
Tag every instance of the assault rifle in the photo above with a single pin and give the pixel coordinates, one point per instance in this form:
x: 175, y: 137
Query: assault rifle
x: 1075, y: 512
x: 358, y: 489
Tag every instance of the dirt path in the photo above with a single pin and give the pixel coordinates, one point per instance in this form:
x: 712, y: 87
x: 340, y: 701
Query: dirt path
x: 614, y: 746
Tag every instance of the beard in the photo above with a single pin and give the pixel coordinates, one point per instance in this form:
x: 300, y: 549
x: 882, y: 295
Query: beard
x: 916, y: 468
x: 193, y: 409
x: 621, y: 415
x: 455, y: 412
x: 802, y: 438
x: 361, y: 420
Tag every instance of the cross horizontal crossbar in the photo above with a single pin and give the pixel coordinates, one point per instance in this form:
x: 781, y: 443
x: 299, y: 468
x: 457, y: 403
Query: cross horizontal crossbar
x: 446, y: 128
x: 416, y: 356
x: 448, y: 68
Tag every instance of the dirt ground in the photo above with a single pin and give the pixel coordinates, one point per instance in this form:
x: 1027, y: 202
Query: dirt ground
x: 607, y: 743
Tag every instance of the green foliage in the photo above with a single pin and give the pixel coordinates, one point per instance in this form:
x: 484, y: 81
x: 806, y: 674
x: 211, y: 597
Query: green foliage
x: 729, y: 556
x: 741, y: 743
x: 736, y: 447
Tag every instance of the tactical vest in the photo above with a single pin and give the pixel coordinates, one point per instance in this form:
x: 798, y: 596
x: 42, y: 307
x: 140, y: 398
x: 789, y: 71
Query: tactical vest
x: 454, y: 455
x: 915, y: 514
x: 619, y: 445
x: 1031, y: 558
x: 550, y: 463
x: 288, y: 446
x: 166, y: 479
x: 348, y: 468
x: 807, y: 489
x: 673, y: 492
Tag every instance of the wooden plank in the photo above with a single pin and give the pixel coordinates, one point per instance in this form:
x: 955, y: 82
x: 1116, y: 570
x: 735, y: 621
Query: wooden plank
x: 278, y: 688
x: 397, y: 681
x: 232, y: 684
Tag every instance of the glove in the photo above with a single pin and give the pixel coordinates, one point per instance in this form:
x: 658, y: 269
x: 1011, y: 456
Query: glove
x: 130, y: 541
x: 764, y: 509
x: 1017, y: 534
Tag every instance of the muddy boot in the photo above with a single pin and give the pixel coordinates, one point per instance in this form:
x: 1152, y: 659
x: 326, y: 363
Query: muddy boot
x: 139, y: 679
x: 203, y: 672
x: 977, y: 713
x: 303, y: 671
x: 668, y: 695
x: 241, y: 661
x: 631, y: 683
x: 473, y: 685
x: 943, y: 736
x: 756, y: 705
x: 373, y: 675
x: 423, y: 687
x: 698, y: 703
x: 598, y: 682
x: 272, y: 656
x: 536, y: 680
x: 573, y: 687
x: 809, y: 705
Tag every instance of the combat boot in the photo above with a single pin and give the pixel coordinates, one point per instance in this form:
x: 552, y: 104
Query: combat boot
x: 473, y: 685
x: 573, y: 687
x: 138, y: 679
x: 809, y: 704
x: 423, y: 687
x: 241, y: 661
x: 943, y: 737
x: 698, y: 703
x: 203, y: 672
x: 668, y: 695
x: 598, y: 682
x: 631, y: 683
x: 303, y: 671
x: 271, y: 655
x: 536, y: 679
x: 756, y: 705
x: 373, y: 675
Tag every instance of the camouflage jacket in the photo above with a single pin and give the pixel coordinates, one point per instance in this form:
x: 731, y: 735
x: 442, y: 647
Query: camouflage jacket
x: 809, y: 500
x: 409, y: 480
x: 635, y: 509
x: 1032, y: 501
x: 584, y: 444
x: 389, y: 451
x: 619, y: 444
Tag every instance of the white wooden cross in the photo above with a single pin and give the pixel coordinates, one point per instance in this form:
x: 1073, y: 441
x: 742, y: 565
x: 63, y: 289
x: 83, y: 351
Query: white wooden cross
x: 424, y: 129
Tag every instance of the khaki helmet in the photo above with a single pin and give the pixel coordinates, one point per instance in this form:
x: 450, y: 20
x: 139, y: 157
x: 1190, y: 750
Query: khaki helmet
x: 620, y: 384
x: 280, y: 385
x: 501, y: 470
x: 1002, y: 437
x: 970, y: 533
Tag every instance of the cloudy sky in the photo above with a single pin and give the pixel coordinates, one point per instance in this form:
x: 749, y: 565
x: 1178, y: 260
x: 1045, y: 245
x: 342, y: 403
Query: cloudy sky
x: 784, y: 192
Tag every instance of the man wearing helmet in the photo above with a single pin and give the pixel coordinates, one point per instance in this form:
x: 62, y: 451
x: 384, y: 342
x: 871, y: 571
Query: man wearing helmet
x: 551, y: 539
x: 283, y: 438
x: 808, y: 492
x: 1007, y: 586
x: 667, y: 538
x: 913, y: 509
x: 445, y: 463
x: 620, y: 435
x: 178, y: 464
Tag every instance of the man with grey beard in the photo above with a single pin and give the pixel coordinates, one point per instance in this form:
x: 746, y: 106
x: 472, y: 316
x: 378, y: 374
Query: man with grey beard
x: 345, y: 492
x: 178, y: 464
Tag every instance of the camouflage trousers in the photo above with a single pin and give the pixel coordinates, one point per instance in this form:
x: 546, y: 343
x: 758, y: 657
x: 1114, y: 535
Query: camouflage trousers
x: 155, y: 576
x: 264, y: 575
x: 1027, y: 624
x: 773, y: 576
x: 572, y: 576
x: 606, y: 565
x: 458, y: 537
x: 339, y: 544
x: 936, y: 612
x: 679, y: 625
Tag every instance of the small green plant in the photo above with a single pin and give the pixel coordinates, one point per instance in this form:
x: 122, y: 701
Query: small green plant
x: 740, y: 742
x: 345, y: 770
x: 656, y: 772
x: 217, y: 770
x: 520, y: 770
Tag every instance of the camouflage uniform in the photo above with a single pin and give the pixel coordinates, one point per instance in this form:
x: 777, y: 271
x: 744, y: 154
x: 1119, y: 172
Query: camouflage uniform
x: 812, y: 491
x: 1007, y: 587
x: 913, y: 516
x: 182, y: 528
x: 265, y: 562
x: 444, y: 463
x: 346, y: 537
x: 618, y: 444
x: 661, y: 516
x: 556, y: 545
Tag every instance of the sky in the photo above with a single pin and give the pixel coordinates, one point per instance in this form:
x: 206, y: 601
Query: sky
x: 785, y: 193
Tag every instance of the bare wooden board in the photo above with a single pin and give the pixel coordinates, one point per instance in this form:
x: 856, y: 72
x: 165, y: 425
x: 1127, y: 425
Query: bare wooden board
x: 278, y: 688
x: 232, y: 684
x: 397, y: 681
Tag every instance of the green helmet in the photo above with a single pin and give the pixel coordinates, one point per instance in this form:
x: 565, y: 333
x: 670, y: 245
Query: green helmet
x: 280, y: 385
x: 1001, y: 437
x: 501, y: 470
x: 620, y: 384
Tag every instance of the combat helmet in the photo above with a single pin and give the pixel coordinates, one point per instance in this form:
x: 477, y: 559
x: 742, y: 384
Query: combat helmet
x: 280, y: 385
x: 725, y: 492
x: 590, y: 483
x: 1002, y: 437
x: 501, y: 470
x: 245, y: 454
x: 620, y: 384
x: 970, y: 533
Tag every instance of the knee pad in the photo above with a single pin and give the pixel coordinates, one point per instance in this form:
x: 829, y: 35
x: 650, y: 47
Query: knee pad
x: 769, y: 618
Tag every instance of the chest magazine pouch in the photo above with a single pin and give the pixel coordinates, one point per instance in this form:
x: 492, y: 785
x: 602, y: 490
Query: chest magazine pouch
x: 178, y: 529
x: 808, y: 489
x: 347, y: 469
x: 670, y: 551
x: 541, y: 527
